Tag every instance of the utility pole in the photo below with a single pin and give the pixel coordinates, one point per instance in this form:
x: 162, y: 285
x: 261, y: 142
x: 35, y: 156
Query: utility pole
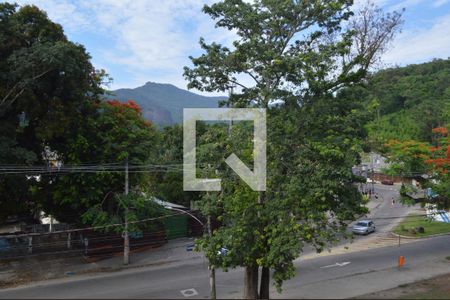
x: 126, y: 238
x: 212, y: 270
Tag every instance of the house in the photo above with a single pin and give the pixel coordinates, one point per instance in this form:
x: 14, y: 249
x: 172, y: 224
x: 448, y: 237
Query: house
x: 437, y: 215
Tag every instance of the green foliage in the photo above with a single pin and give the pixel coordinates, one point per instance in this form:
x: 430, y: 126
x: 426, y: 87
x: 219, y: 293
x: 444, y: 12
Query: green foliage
x: 442, y: 189
x: 47, y: 87
x: 414, y: 158
x: 407, y: 158
x: 299, y: 53
x: 110, y: 216
x: 304, y: 187
x: 412, y: 101
x: 114, y: 133
x: 50, y: 102
x: 400, y: 125
x: 169, y: 185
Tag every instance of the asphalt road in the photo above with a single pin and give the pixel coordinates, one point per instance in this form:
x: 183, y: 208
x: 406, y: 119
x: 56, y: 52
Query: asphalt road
x: 345, y: 275
x: 385, y: 214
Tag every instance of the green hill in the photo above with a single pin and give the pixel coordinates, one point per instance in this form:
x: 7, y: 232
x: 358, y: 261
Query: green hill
x: 407, y: 102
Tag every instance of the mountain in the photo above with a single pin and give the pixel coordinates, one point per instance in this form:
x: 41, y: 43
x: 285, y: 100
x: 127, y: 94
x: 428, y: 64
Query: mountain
x: 163, y: 103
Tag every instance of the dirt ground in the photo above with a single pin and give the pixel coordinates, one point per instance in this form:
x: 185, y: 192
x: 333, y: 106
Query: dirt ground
x: 434, y: 288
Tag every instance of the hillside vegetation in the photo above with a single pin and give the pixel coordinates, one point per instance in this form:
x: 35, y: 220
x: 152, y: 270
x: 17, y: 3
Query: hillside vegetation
x: 407, y: 102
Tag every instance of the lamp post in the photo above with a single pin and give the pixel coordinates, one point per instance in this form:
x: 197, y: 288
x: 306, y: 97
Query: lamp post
x: 212, y: 271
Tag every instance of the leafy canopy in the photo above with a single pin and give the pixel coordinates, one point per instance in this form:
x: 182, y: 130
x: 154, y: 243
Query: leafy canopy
x: 300, y: 54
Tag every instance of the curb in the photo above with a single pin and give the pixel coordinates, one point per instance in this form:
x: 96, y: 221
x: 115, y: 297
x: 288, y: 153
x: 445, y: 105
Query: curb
x: 418, y: 238
x: 91, y: 272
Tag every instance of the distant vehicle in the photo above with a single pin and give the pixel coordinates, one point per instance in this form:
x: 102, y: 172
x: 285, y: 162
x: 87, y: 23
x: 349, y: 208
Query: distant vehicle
x: 223, y: 251
x: 368, y: 180
x: 387, y: 182
x: 364, y: 227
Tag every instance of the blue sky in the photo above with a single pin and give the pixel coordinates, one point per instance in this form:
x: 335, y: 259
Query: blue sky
x: 137, y: 41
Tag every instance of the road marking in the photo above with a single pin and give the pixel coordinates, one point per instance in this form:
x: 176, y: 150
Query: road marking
x: 336, y: 265
x: 189, y: 292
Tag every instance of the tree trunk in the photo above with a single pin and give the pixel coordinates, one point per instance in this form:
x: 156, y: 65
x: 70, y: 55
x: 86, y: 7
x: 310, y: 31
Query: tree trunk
x: 265, y: 272
x: 264, y: 288
x: 251, y: 282
x: 212, y: 282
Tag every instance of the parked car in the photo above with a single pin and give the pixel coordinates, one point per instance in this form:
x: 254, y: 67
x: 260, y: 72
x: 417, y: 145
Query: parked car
x: 364, y: 227
x: 387, y: 182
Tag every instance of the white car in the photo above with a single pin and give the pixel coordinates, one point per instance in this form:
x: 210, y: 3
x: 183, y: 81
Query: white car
x: 364, y: 227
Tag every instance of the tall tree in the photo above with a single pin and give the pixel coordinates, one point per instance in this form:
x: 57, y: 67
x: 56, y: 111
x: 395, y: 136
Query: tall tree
x: 407, y: 158
x: 47, y: 87
x: 300, y: 53
x: 115, y: 133
x: 432, y: 159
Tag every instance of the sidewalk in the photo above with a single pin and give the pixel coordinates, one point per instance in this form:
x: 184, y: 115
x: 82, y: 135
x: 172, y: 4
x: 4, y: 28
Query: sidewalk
x: 379, y: 239
x: 434, y: 288
x: 356, y: 285
x: 38, y: 268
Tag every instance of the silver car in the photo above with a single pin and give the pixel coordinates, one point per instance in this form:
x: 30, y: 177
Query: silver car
x: 364, y: 227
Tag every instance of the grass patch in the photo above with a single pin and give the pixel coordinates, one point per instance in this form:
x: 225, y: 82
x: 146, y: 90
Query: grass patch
x: 409, y: 224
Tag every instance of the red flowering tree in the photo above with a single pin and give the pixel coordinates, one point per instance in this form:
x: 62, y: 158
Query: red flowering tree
x: 440, y: 131
x: 116, y: 132
x: 440, y: 157
x: 433, y: 159
x: 408, y: 157
x: 440, y: 164
x: 124, y: 105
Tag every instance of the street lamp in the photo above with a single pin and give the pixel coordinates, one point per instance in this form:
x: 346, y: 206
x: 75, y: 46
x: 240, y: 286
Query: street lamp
x: 185, y: 212
x: 212, y: 276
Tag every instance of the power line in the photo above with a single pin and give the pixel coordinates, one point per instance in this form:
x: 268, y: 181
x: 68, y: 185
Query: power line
x: 111, y: 167
x: 107, y: 238
x: 80, y: 251
x: 93, y: 227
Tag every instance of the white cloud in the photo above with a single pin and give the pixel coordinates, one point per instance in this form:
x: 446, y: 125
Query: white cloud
x: 148, y: 36
x: 62, y: 12
x: 151, y: 40
x: 415, y: 46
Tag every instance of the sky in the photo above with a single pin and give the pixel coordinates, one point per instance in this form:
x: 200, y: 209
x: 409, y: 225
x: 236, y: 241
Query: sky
x: 137, y: 41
